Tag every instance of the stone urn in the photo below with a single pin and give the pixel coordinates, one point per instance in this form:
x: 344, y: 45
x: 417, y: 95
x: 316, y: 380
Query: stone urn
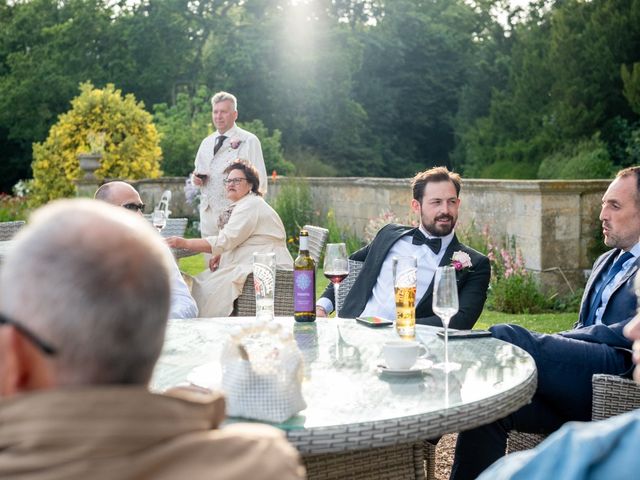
x: 89, y: 163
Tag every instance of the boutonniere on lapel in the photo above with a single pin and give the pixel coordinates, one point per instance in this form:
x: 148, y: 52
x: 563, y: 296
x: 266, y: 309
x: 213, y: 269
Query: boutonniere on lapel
x: 460, y: 261
x: 235, y: 143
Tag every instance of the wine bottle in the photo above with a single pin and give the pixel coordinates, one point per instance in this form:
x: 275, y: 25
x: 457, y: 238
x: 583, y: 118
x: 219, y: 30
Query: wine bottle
x: 304, y: 283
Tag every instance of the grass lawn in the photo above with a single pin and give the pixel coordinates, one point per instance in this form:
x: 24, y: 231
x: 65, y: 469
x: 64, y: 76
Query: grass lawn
x: 540, y: 322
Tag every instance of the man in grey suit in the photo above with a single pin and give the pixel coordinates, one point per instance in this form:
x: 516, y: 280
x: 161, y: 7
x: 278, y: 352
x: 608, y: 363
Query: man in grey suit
x: 434, y: 243
x: 566, y: 361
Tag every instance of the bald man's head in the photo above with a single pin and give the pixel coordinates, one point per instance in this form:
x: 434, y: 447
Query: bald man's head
x: 120, y: 194
x: 93, y: 283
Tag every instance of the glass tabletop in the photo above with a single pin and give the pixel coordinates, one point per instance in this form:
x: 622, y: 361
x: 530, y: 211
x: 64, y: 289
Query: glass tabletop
x: 343, y: 383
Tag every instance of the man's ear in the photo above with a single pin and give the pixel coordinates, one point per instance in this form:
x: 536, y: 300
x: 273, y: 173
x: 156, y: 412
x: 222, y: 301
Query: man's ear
x: 415, y: 206
x: 12, y: 361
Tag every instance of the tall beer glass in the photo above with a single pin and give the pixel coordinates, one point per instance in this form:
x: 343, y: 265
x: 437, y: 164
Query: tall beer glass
x: 404, y: 283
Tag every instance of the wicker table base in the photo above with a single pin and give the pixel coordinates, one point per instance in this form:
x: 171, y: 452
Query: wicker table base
x: 405, y: 462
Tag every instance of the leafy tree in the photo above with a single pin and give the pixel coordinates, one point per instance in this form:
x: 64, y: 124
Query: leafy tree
x: 182, y: 127
x: 564, y: 85
x: 131, y: 144
x: 415, y: 65
x: 585, y: 159
x: 271, y: 149
x: 631, y: 82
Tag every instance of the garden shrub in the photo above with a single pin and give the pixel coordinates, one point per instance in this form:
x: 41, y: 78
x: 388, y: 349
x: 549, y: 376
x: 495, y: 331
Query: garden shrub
x: 310, y: 164
x: 13, y: 208
x: 512, y: 288
x: 182, y: 127
x: 271, y: 148
x: 583, y: 160
x: 295, y: 208
x: 338, y: 234
x: 129, y: 143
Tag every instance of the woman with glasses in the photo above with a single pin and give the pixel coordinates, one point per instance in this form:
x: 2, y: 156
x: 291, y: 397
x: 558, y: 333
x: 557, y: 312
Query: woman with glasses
x: 248, y: 225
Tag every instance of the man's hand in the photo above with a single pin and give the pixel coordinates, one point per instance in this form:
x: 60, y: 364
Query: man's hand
x: 320, y: 312
x: 197, y: 181
x: 176, y: 242
x: 214, y: 262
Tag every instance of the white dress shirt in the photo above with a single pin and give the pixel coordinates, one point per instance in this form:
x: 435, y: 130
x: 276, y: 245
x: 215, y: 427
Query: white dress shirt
x: 382, y: 302
x: 182, y: 303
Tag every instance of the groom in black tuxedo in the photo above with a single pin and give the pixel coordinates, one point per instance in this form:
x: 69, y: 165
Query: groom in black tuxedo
x: 436, y: 199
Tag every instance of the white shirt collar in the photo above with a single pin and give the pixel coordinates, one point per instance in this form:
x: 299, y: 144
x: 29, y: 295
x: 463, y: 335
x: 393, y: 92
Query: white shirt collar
x: 229, y: 133
x: 445, y: 239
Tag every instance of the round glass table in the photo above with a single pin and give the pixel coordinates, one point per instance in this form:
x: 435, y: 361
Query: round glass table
x: 352, y: 404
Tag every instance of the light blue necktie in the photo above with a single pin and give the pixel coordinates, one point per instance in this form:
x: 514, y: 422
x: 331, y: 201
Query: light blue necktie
x: 597, y: 298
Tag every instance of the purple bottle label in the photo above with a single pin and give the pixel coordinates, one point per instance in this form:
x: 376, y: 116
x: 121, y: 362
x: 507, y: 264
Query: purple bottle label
x: 303, y: 291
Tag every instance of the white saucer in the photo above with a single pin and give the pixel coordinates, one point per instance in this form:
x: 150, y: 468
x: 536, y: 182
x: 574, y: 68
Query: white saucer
x: 420, y: 366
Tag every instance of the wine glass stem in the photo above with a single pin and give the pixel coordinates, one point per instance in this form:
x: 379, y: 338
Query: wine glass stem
x: 446, y: 344
x: 336, y: 289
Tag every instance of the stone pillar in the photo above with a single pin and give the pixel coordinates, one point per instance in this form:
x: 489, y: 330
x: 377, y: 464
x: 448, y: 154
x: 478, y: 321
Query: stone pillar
x: 88, y: 184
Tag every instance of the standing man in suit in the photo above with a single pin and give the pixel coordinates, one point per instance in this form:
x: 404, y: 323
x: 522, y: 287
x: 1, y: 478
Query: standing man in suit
x: 217, y: 151
x: 436, y: 200
x: 566, y: 361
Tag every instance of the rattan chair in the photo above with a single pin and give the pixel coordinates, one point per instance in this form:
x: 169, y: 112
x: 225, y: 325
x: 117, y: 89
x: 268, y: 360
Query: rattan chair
x: 317, y: 240
x: 245, y: 304
x: 612, y: 395
x: 354, y: 270
x: 175, y: 228
x: 9, y: 229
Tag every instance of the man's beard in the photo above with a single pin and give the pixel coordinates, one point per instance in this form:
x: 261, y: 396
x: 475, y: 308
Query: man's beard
x: 440, y: 230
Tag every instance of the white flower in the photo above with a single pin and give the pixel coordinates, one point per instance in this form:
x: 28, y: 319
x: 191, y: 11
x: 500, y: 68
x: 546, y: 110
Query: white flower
x: 460, y: 260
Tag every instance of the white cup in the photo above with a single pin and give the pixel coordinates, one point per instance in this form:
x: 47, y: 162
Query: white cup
x: 401, y: 354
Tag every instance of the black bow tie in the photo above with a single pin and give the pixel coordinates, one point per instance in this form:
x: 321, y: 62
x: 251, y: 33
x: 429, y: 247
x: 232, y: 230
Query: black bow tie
x: 433, y: 243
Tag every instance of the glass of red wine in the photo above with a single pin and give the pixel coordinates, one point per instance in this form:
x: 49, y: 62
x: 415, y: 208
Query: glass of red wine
x: 336, y: 267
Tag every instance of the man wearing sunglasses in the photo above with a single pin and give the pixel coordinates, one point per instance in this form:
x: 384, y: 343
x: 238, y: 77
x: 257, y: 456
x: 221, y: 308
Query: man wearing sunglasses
x: 84, y: 299
x: 122, y: 194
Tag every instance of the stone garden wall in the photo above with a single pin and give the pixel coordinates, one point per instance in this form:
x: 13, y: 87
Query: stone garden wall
x: 554, y: 223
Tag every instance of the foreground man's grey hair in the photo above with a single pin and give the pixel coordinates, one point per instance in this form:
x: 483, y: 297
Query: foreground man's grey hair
x: 93, y: 281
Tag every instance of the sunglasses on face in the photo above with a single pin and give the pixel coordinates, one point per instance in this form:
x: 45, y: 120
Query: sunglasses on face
x: 43, y: 346
x: 134, y: 207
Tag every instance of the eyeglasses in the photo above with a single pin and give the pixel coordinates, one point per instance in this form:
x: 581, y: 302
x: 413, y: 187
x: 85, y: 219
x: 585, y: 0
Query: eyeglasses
x: 29, y: 335
x: 134, y: 207
x: 234, y: 181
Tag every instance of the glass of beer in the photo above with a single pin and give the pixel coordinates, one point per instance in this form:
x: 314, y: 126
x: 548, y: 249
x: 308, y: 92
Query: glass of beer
x: 404, y: 283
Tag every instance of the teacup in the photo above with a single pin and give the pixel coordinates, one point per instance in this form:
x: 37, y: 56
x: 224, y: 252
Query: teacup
x: 402, y: 354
